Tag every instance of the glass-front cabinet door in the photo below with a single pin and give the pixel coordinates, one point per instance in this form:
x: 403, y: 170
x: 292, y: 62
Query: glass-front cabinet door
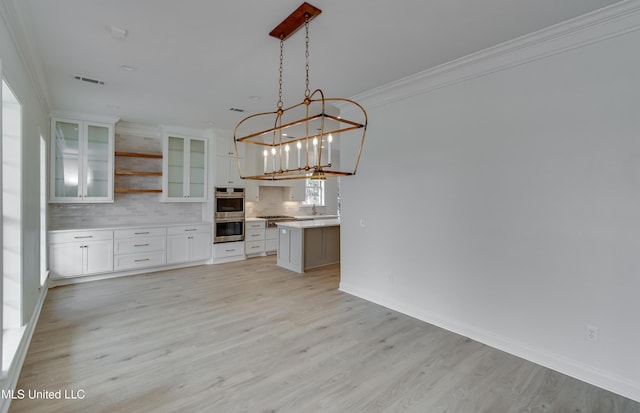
x: 98, y: 171
x: 81, y: 161
x: 66, y: 160
x: 185, y: 169
x: 197, y: 169
x: 175, y: 168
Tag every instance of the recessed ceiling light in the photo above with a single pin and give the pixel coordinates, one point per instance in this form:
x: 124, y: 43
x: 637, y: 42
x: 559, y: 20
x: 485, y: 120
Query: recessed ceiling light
x: 118, y: 32
x: 128, y: 68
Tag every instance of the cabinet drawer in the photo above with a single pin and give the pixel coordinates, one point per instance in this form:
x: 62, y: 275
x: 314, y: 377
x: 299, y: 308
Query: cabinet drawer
x: 139, y: 232
x: 254, y: 235
x: 272, y: 233
x: 75, y: 236
x: 189, y: 229
x: 254, y: 225
x: 254, y: 247
x: 136, y: 245
x: 271, y: 245
x: 132, y: 261
x: 230, y: 249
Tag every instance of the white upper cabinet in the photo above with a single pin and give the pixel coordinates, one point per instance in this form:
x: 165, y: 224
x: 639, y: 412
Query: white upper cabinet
x: 81, y: 161
x: 184, y: 169
x: 226, y: 165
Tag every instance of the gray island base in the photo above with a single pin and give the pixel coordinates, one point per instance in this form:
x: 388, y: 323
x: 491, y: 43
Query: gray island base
x: 303, y: 245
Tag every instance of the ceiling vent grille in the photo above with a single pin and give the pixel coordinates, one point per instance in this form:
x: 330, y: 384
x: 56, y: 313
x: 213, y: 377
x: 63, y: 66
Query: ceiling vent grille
x: 236, y: 110
x: 89, y: 80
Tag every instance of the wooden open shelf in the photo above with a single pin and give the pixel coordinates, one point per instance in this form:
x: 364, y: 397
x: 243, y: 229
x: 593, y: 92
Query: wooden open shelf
x: 139, y: 155
x: 135, y: 191
x: 141, y: 173
x: 125, y: 172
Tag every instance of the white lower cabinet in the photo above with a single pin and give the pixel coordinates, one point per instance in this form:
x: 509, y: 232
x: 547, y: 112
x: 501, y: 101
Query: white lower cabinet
x: 228, y: 251
x: 188, y: 243
x: 271, y: 246
x: 88, y: 252
x: 254, y: 237
x: 75, y: 253
x: 139, y: 248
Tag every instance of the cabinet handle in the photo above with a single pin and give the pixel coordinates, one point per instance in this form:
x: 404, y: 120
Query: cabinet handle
x: 255, y: 235
x: 255, y: 247
x: 192, y: 229
x: 141, y: 245
x: 141, y: 260
x: 229, y: 250
x: 86, y: 236
x: 141, y: 233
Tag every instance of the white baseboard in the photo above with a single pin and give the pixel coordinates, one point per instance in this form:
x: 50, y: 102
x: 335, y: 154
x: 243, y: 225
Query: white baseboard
x: 56, y: 282
x: 562, y: 364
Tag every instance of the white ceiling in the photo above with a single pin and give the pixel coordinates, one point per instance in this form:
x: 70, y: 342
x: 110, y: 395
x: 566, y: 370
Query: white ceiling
x: 196, y: 59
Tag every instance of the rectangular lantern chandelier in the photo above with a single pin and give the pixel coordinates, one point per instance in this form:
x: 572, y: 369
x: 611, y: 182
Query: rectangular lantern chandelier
x: 306, y: 140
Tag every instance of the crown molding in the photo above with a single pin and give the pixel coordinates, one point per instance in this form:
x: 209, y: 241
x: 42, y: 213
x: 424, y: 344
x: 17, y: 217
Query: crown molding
x: 85, y: 116
x: 186, y: 131
x: 136, y: 129
x: 23, y: 41
x: 609, y: 22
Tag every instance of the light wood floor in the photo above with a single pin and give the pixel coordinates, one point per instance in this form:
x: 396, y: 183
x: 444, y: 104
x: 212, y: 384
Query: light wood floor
x: 251, y: 337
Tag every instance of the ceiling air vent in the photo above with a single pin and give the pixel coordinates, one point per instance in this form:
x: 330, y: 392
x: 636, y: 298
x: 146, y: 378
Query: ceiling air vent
x: 236, y: 110
x: 89, y: 80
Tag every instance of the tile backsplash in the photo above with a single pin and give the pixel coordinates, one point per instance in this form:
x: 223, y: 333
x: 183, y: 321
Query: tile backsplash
x: 128, y: 209
x: 271, y: 203
x: 146, y: 208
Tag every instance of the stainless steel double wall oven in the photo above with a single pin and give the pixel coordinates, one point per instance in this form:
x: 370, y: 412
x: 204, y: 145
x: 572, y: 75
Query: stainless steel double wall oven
x: 228, y: 215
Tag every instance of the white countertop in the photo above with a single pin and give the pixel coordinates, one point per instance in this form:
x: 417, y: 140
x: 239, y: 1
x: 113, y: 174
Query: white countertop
x: 315, y: 216
x: 315, y: 223
x: 130, y: 226
x: 255, y: 219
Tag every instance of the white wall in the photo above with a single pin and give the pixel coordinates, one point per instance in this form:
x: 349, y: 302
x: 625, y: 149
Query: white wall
x: 506, y: 206
x: 34, y: 123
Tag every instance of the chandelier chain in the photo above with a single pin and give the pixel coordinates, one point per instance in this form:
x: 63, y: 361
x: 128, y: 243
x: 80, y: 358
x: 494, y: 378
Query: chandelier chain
x: 307, y: 92
x: 280, y: 103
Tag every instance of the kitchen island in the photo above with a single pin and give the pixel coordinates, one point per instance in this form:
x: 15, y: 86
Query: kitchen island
x: 303, y: 245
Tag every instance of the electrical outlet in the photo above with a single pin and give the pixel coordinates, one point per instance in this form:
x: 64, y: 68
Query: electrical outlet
x: 591, y: 333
